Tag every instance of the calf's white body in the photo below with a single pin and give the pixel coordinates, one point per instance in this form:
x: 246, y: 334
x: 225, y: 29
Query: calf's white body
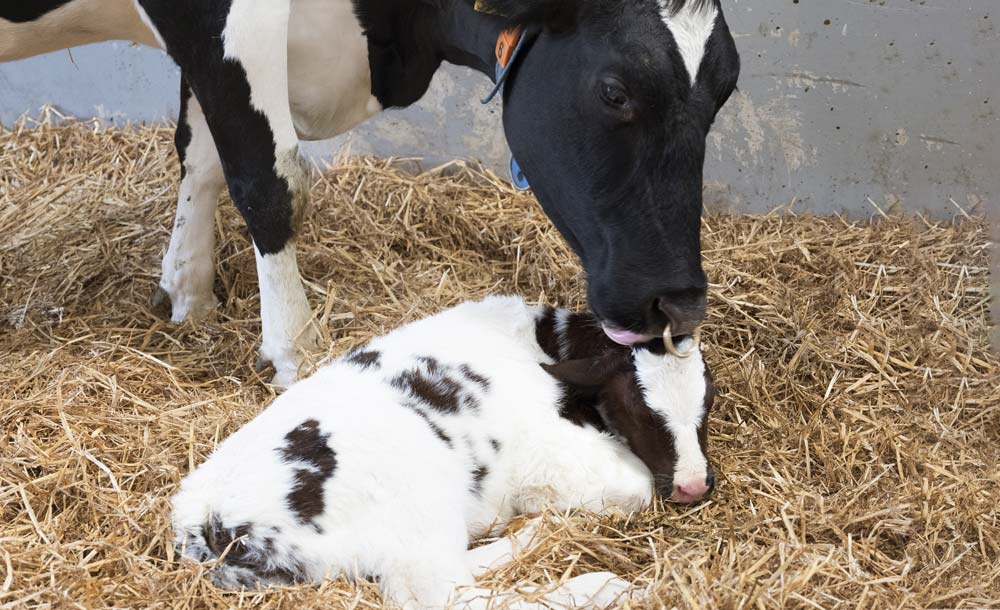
x: 388, y: 461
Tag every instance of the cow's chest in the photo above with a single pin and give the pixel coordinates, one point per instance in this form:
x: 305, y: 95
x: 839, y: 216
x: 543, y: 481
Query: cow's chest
x: 329, y: 82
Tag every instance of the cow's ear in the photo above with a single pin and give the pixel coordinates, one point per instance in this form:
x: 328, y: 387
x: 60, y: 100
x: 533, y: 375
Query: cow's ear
x: 556, y: 15
x: 586, y: 372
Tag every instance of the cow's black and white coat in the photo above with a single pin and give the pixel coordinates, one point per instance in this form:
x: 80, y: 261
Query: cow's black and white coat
x: 618, y: 169
x: 388, y: 461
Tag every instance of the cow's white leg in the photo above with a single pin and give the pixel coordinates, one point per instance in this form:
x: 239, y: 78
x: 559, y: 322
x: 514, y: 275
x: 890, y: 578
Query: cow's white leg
x: 287, y: 320
x: 237, y: 68
x: 256, y: 36
x: 188, y: 269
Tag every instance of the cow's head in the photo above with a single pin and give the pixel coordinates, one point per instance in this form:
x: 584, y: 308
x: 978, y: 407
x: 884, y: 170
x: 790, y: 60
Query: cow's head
x: 606, y: 110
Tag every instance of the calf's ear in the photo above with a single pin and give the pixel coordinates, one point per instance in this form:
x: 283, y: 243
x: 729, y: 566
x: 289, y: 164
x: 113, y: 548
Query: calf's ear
x: 585, y: 372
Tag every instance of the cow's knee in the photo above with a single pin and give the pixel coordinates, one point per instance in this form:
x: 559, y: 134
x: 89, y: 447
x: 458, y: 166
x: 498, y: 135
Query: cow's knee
x: 272, y: 199
x: 290, y: 165
x: 188, y: 267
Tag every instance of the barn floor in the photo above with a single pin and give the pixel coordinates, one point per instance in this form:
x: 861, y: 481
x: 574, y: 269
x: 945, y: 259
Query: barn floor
x: 857, y: 433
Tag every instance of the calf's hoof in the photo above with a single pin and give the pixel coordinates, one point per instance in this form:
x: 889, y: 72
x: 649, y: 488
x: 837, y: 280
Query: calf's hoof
x: 284, y: 376
x: 595, y: 591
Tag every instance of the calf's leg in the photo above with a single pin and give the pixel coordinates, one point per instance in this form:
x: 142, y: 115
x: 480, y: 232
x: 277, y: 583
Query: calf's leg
x: 593, y: 590
x: 497, y: 554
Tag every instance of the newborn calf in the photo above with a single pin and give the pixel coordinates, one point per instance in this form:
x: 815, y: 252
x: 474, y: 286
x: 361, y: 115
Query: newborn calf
x: 388, y: 461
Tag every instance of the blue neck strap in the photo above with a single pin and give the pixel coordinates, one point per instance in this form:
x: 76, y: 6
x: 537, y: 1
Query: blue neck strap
x: 503, y: 71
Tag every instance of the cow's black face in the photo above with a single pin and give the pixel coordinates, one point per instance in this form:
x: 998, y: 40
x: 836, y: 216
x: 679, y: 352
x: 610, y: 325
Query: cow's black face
x: 602, y: 116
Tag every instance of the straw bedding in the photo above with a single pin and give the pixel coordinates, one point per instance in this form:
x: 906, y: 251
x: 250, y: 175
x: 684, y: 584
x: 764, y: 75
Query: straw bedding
x: 857, y: 433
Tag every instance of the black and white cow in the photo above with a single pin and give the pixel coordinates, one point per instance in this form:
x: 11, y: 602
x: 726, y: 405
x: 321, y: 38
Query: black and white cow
x: 607, y: 105
x: 387, y: 461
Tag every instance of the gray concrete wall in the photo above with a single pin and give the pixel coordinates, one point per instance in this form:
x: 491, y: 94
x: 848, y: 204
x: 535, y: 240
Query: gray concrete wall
x: 843, y: 105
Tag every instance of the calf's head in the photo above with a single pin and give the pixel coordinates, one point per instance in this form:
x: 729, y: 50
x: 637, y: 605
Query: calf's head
x: 659, y: 405
x: 607, y: 110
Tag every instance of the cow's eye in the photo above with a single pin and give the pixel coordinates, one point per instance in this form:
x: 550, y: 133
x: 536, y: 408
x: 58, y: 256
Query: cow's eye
x: 613, y: 93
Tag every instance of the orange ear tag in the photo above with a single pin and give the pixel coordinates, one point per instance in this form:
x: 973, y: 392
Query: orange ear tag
x: 509, y: 43
x: 506, y: 43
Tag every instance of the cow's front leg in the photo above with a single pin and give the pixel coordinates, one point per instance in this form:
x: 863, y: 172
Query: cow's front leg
x: 234, y: 56
x: 188, y: 270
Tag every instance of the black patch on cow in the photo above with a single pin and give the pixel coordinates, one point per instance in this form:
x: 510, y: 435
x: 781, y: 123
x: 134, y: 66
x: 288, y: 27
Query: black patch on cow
x: 545, y: 333
x: 182, y: 135
x: 475, y: 377
x: 495, y: 444
x: 365, y: 359
x: 441, y: 394
x: 707, y: 405
x: 402, y: 56
x: 436, y: 429
x: 192, y: 32
x: 221, y: 539
x: 245, y: 548
x: 307, y: 447
x: 583, y: 337
x: 478, y: 476
x: 23, y: 11
x: 579, y: 407
x: 431, y: 363
x: 441, y: 387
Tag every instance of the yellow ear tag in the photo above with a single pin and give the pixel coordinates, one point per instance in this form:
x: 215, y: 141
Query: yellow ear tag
x: 483, y: 7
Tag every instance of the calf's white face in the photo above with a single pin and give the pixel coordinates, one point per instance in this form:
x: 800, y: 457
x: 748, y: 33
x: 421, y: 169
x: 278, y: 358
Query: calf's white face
x: 681, y: 392
x: 659, y: 405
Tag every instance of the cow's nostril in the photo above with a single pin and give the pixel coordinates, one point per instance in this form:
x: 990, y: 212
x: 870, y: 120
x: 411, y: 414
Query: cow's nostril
x: 683, y: 311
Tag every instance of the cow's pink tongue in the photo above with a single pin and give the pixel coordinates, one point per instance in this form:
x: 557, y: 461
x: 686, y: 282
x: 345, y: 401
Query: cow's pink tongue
x: 625, y: 337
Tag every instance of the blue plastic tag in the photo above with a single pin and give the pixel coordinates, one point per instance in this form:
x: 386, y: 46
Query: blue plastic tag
x: 517, y: 176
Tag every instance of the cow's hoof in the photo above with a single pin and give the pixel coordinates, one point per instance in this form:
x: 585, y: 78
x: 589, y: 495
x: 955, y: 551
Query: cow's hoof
x: 262, y: 364
x: 180, y: 306
x: 161, y: 304
x: 283, y: 376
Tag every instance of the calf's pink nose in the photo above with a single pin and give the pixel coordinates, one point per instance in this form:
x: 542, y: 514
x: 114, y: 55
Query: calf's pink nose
x: 691, y: 492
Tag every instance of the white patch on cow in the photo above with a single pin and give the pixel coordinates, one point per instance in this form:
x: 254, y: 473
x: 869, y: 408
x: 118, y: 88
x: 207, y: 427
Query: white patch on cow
x: 256, y: 36
x: 149, y: 24
x: 328, y: 75
x: 691, y: 27
x: 675, y: 388
x: 286, y: 319
x: 75, y: 23
x: 188, y: 266
x: 398, y: 488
